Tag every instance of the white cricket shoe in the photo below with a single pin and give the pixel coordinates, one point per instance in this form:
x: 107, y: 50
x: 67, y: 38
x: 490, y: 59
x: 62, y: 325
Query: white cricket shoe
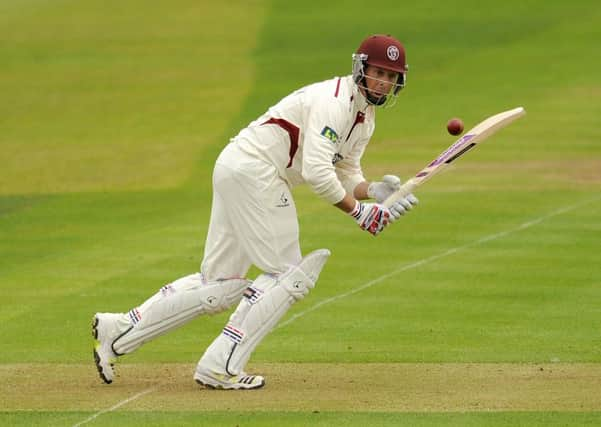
x: 105, y: 330
x: 227, y: 382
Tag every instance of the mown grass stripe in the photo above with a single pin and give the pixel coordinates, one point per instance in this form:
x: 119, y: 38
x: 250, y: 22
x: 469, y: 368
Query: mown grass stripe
x: 438, y: 256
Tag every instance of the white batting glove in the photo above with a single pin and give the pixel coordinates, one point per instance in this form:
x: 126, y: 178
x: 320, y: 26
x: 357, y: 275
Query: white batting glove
x: 402, y: 206
x: 371, y: 217
x: 381, y: 190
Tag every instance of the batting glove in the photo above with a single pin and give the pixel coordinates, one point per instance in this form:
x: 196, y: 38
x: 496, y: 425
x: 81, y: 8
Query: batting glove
x: 381, y: 190
x: 371, y: 217
x: 402, y: 206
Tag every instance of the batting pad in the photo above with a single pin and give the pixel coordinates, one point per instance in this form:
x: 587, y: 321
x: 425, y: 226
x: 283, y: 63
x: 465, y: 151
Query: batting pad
x: 176, y: 304
x: 262, y: 306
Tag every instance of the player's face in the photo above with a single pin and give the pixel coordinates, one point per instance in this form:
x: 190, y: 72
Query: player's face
x: 379, y: 81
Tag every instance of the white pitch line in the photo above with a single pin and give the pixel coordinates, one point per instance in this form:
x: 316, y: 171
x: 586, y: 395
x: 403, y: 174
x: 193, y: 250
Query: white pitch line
x: 423, y: 261
x: 114, y: 407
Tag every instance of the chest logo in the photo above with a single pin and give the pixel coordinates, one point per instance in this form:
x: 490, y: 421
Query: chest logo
x: 330, y: 133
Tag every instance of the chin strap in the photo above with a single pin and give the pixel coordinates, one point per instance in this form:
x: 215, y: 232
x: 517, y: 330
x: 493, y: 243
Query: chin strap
x: 370, y: 99
x: 375, y: 101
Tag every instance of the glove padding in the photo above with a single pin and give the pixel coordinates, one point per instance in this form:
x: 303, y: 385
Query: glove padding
x: 371, y: 217
x: 402, y: 206
x: 381, y: 190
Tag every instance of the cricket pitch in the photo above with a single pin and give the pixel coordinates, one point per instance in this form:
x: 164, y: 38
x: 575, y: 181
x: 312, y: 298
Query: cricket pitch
x: 389, y: 387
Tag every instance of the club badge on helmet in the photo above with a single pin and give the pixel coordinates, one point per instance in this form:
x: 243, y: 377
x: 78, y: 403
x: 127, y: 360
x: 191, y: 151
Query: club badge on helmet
x: 382, y: 51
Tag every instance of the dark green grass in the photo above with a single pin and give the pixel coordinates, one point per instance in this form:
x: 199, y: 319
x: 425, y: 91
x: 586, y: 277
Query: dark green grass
x: 479, y: 304
x: 527, y: 296
x: 111, y: 119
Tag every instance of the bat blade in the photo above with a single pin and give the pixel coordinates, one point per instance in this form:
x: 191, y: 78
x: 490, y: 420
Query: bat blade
x: 464, y: 144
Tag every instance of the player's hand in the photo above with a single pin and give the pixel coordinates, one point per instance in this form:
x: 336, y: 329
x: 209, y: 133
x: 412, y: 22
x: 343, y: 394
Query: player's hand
x: 371, y: 217
x: 381, y: 190
x: 402, y: 206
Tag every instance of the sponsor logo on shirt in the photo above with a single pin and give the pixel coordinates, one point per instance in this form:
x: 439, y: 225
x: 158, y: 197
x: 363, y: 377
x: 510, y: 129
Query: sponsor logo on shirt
x: 330, y: 133
x: 336, y: 158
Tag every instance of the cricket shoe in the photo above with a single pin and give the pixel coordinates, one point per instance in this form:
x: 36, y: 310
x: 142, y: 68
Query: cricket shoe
x: 227, y: 382
x: 105, y: 330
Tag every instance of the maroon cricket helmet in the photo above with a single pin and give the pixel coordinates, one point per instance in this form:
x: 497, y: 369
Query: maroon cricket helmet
x: 383, y: 51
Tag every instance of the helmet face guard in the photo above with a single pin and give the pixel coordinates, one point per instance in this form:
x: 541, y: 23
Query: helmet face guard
x: 384, y: 52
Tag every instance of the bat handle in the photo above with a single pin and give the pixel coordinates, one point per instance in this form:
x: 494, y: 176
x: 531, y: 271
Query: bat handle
x: 406, y: 188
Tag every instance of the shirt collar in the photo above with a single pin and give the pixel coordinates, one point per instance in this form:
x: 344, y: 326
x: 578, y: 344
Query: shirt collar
x: 358, y: 100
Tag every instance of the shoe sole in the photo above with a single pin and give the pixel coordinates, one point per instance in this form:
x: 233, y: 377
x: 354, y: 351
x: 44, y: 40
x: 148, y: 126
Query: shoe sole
x: 96, y: 356
x: 220, y: 387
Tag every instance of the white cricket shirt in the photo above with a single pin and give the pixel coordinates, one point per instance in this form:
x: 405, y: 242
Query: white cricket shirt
x: 316, y: 135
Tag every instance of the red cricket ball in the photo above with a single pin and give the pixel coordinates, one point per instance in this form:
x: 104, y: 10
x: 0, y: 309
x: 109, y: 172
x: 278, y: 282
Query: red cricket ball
x: 455, y: 126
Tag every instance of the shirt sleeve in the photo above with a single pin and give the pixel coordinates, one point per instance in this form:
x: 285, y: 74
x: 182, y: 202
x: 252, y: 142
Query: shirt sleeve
x: 325, y: 120
x: 349, y: 170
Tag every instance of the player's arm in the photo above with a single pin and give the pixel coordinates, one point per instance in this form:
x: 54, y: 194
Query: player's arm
x: 360, y: 191
x: 349, y: 173
x: 324, y: 125
x: 351, y: 176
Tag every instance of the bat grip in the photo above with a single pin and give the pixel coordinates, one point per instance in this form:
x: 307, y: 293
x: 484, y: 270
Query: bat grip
x: 406, y: 188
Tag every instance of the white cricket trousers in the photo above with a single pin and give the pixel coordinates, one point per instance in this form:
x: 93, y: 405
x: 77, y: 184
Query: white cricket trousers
x: 253, y: 218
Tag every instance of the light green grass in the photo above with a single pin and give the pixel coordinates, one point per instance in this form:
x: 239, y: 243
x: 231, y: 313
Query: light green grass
x: 112, y: 114
x: 250, y: 419
x: 118, y: 96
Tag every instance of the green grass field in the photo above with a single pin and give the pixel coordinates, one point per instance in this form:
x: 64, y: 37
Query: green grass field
x: 479, y: 308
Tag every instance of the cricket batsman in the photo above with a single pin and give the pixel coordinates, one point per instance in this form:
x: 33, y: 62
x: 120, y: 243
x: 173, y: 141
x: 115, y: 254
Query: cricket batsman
x: 315, y: 136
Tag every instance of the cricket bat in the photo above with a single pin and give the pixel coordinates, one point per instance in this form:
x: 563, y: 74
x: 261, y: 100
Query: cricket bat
x: 468, y: 141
